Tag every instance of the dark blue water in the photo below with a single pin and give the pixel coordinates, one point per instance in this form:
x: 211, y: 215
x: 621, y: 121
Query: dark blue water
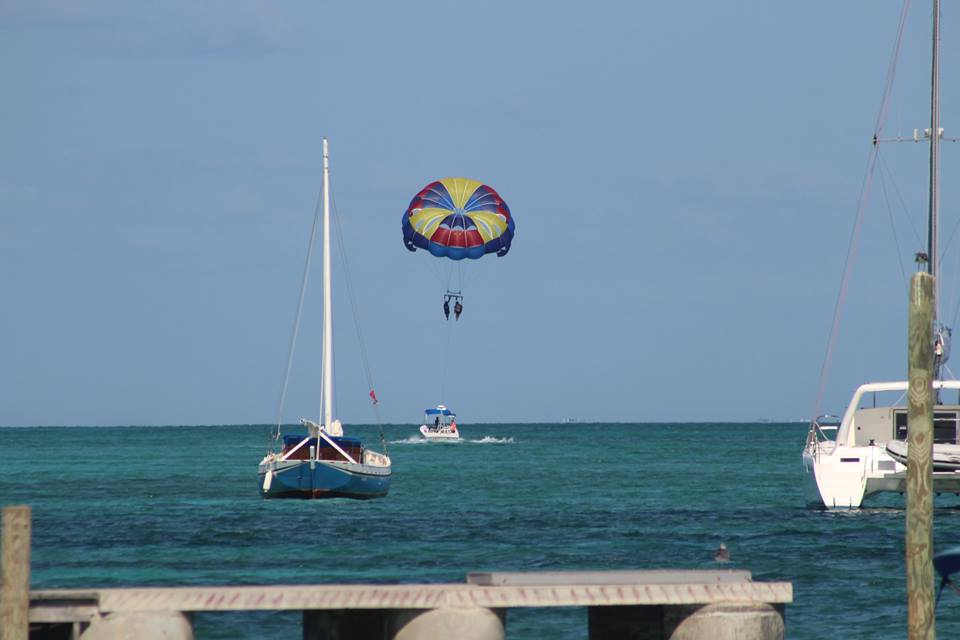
x: 180, y: 505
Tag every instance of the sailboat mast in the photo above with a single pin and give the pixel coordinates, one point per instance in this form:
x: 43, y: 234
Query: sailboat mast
x: 327, y: 297
x: 934, y: 211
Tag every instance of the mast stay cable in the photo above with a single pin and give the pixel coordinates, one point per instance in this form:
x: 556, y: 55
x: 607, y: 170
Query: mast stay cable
x: 893, y: 227
x: 296, y: 320
x: 356, y: 322
x: 861, y: 208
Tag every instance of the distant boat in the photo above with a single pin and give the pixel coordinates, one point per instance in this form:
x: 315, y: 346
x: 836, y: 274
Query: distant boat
x: 440, y: 424
x: 864, y: 454
x: 324, y: 463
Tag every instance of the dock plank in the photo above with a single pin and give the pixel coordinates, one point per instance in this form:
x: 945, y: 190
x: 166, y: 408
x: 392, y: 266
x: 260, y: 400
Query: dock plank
x: 406, y: 596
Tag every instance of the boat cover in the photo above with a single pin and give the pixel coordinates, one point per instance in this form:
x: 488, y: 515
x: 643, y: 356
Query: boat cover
x: 947, y: 562
x: 946, y: 457
x: 440, y: 412
x: 293, y: 439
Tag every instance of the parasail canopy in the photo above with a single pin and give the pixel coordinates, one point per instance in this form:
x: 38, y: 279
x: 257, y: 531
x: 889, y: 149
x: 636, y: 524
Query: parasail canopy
x: 458, y: 218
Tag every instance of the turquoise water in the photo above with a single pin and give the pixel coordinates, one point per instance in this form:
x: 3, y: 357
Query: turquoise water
x: 180, y: 505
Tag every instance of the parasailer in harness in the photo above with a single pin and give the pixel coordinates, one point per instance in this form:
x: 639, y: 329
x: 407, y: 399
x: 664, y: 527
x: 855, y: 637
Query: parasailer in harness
x: 457, y: 219
x: 454, y: 222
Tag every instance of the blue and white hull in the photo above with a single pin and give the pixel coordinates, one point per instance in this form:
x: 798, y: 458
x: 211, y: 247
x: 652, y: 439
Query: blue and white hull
x: 322, y: 479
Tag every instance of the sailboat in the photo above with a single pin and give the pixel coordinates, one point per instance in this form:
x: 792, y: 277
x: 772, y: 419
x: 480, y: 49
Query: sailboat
x: 864, y: 453
x: 324, y: 463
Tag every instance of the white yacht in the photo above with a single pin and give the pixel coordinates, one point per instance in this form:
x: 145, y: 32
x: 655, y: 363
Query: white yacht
x: 862, y: 455
x: 846, y: 463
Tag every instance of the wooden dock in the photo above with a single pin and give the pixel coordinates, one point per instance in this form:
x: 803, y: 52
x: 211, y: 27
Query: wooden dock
x: 654, y: 605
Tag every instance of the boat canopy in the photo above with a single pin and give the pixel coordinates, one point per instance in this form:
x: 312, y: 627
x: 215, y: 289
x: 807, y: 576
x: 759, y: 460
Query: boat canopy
x: 440, y: 412
x: 293, y: 439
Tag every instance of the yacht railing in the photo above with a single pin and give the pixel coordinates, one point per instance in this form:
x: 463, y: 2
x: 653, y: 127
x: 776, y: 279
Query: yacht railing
x: 375, y: 459
x: 821, y: 430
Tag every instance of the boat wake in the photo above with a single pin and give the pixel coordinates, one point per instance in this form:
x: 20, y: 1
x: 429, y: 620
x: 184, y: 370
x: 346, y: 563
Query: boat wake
x: 411, y: 440
x: 492, y: 440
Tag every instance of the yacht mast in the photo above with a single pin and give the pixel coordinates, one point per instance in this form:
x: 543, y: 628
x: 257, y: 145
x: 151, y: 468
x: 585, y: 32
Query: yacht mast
x: 934, y: 211
x: 327, y: 297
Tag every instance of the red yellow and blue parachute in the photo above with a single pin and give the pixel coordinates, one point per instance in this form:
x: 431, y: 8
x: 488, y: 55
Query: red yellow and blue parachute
x: 458, y: 218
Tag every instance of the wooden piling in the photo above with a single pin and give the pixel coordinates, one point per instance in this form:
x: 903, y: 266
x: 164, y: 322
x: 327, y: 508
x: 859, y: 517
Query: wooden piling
x: 15, y: 594
x: 919, y: 520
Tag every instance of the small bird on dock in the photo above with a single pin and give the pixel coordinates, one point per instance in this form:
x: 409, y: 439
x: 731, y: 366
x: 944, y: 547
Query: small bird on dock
x: 721, y: 554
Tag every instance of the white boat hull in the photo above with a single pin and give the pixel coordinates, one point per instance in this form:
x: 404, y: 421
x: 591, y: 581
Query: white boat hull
x: 831, y: 483
x: 843, y: 477
x: 444, y: 433
x: 845, y: 471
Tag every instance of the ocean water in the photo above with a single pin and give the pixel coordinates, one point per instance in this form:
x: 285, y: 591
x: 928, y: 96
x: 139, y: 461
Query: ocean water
x: 124, y: 506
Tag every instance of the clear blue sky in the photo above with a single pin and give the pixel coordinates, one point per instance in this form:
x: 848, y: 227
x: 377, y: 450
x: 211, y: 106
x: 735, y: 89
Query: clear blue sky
x: 683, y: 176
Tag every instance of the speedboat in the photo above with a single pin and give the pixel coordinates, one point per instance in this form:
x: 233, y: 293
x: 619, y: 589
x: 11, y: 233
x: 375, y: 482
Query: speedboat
x: 440, y: 424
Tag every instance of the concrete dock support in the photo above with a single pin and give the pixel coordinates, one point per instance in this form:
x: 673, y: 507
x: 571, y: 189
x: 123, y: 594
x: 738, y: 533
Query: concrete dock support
x: 15, y: 594
x: 675, y: 604
x: 919, y: 520
x: 723, y: 621
x: 463, y: 623
x: 468, y: 623
x: 140, y: 625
